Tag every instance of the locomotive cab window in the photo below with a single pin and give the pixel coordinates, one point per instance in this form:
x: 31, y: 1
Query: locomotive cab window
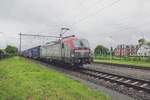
x: 81, y: 43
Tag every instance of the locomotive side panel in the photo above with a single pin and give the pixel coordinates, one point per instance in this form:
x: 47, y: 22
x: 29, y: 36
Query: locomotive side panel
x: 67, y: 51
x: 43, y: 52
x: 66, y: 54
x: 51, y: 51
x: 54, y: 51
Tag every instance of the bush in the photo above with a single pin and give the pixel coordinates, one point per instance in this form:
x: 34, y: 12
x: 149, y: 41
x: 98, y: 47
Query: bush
x: 11, y: 50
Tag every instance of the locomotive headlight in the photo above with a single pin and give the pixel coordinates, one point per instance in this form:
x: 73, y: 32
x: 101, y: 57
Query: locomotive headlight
x: 72, y: 55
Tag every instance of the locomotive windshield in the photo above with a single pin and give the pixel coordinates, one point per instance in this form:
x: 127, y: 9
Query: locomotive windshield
x: 81, y: 43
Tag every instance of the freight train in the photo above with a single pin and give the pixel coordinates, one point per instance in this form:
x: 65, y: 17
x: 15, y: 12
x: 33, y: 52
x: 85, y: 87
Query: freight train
x: 70, y: 50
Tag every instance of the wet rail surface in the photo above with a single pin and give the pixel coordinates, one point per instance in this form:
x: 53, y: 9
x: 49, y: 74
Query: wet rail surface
x: 138, y: 84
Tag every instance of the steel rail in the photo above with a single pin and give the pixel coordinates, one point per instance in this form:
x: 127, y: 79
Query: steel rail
x: 135, y: 83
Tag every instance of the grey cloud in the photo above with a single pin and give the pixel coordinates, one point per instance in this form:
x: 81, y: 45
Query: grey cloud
x: 125, y: 22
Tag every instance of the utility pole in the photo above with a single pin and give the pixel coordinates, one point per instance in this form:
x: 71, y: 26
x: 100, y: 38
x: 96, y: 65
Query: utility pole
x: 110, y: 49
x: 110, y: 54
x: 20, y: 43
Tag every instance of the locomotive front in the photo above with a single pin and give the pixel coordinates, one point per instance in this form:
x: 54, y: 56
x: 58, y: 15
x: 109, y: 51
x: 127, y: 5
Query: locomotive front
x: 81, y: 53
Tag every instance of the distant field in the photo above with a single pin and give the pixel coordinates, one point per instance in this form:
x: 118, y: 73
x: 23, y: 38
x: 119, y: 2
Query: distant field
x: 21, y: 79
x: 136, y: 63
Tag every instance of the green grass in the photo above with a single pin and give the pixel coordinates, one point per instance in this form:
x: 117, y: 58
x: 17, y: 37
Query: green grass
x: 128, y: 58
x: 126, y: 62
x: 22, y: 79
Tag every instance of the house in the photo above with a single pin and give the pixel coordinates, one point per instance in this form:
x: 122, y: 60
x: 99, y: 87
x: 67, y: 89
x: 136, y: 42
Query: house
x: 126, y: 50
x: 144, y: 50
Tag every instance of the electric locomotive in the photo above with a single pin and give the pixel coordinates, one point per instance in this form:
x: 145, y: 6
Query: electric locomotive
x: 80, y: 52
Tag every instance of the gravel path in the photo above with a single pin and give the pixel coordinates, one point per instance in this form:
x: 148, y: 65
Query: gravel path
x: 137, y: 73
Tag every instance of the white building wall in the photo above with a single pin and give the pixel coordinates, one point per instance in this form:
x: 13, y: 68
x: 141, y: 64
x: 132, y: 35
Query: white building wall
x: 144, y: 50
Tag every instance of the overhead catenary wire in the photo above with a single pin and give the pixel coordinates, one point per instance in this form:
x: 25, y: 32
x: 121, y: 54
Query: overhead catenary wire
x: 125, y: 27
x: 33, y: 35
x: 39, y: 35
x: 90, y: 15
x: 40, y: 42
x: 89, y: 7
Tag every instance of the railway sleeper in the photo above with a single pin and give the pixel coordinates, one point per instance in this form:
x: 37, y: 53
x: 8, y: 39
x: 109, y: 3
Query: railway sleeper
x: 137, y: 87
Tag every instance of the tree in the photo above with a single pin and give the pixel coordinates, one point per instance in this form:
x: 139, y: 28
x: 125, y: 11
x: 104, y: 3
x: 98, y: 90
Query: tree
x: 11, y: 50
x: 1, y: 53
x: 101, y: 50
x: 141, y: 41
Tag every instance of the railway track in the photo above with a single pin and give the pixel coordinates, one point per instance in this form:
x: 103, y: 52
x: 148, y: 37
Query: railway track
x: 136, y: 88
x: 138, y: 84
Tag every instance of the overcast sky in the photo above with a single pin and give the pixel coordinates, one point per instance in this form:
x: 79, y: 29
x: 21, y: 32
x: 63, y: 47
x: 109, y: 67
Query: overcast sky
x: 107, y: 22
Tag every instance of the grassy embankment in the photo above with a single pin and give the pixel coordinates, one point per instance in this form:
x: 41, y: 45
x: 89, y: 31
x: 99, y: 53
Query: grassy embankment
x: 21, y: 79
x: 137, y: 61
